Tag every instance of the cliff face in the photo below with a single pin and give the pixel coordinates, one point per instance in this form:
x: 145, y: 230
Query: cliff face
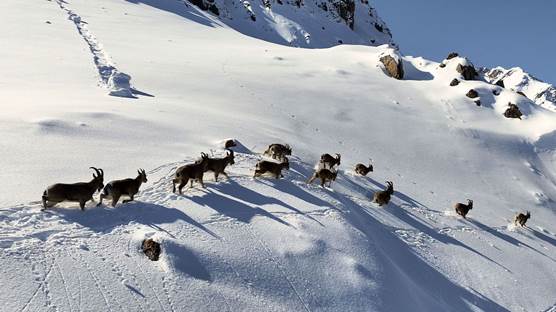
x: 302, y: 23
x: 542, y: 93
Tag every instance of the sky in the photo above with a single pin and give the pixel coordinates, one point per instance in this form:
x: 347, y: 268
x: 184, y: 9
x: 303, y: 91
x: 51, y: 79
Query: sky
x: 507, y: 33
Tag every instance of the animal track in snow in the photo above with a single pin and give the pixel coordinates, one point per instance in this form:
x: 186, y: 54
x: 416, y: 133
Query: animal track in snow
x: 117, y: 82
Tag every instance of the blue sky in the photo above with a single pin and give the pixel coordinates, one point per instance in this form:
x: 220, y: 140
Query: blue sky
x: 490, y: 32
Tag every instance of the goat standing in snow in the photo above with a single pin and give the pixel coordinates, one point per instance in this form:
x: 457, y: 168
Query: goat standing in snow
x: 362, y: 169
x: 218, y: 165
x: 329, y: 161
x: 521, y: 218
x: 191, y: 172
x: 383, y: 197
x: 324, y: 175
x: 264, y: 166
x: 129, y: 187
x: 463, y: 209
x: 76, y: 192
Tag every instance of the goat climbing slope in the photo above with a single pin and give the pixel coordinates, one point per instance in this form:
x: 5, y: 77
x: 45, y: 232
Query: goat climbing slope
x: 228, y: 241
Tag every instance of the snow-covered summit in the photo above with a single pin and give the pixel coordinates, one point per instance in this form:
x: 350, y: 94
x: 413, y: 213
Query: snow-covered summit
x: 538, y: 91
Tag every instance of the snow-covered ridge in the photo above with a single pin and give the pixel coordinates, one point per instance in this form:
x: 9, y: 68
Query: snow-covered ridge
x: 542, y: 93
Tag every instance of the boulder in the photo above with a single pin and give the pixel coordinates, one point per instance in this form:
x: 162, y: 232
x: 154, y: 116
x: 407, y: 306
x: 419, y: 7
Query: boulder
x: 206, y: 5
x: 513, y: 111
x: 467, y: 71
x: 393, y: 64
x: 452, y: 55
x: 151, y: 249
x: 500, y: 83
x: 442, y: 65
x: 472, y: 94
x: 454, y: 82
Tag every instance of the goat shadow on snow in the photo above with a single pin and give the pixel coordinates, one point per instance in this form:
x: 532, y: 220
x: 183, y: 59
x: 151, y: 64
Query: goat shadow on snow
x: 103, y: 219
x: 401, y: 266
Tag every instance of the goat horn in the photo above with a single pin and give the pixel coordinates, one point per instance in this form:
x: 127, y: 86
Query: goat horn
x: 96, y: 170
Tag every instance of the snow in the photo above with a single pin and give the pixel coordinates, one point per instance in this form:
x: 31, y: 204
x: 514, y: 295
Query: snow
x: 247, y: 244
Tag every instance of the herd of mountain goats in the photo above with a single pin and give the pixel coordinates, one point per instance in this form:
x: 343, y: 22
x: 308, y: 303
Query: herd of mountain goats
x: 326, y: 172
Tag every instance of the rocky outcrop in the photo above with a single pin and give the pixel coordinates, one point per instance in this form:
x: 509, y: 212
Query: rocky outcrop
x: 151, y: 249
x: 346, y: 11
x: 206, y: 5
x: 393, y: 64
x: 516, y: 79
x: 302, y: 23
x: 472, y: 94
x: 467, y: 71
x: 513, y: 111
x: 452, y: 55
x: 454, y: 82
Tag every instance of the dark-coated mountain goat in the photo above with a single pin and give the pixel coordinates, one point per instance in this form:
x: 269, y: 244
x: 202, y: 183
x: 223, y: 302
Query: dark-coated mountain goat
x: 191, y: 172
x: 383, y: 197
x: 362, y: 169
x: 218, y: 165
x: 521, y: 219
x: 275, y: 169
x: 80, y: 192
x: 329, y: 161
x: 278, y: 151
x: 324, y: 175
x: 128, y: 187
x: 463, y: 209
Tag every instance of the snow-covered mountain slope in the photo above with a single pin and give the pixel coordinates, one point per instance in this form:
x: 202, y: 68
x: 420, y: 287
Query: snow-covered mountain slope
x: 542, y: 93
x: 299, y: 23
x: 252, y: 245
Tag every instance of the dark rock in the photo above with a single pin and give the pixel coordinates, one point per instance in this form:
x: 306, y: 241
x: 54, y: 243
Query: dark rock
x: 521, y: 93
x: 48, y: 22
x: 442, y: 65
x: 206, y: 5
x: 478, y: 102
x: 151, y: 249
x: 452, y: 55
x: 379, y: 27
x: 346, y: 11
x: 496, y: 92
x: 472, y: 94
x: 500, y: 83
x: 513, y: 111
x: 230, y: 143
x: 267, y: 4
x: 393, y: 68
x: 340, y: 41
x: 467, y: 71
x: 454, y: 82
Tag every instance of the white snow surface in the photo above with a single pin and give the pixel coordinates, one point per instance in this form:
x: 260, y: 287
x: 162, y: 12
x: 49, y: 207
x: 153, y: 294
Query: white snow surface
x: 246, y: 244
